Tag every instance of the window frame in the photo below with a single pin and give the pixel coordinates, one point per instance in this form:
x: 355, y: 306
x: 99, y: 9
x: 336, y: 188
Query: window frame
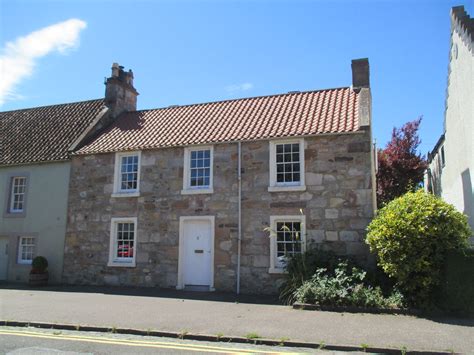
x: 443, y: 156
x: 118, y: 191
x: 19, y: 258
x: 122, y: 262
x: 275, y: 186
x: 274, y: 268
x: 8, y: 211
x: 187, y: 188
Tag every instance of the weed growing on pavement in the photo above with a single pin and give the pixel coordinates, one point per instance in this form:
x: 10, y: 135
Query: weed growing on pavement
x: 283, y: 340
x: 403, y: 350
x: 182, y: 334
x: 113, y: 329
x: 219, y: 336
x: 251, y: 336
x: 322, y: 345
x: 78, y: 327
x: 364, y: 346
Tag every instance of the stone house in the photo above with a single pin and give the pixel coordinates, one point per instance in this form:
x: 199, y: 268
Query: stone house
x: 451, y: 163
x: 34, y: 183
x: 216, y: 195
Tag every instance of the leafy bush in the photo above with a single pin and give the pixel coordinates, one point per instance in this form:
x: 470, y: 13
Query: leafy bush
x: 411, y: 236
x: 39, y: 265
x: 343, y: 287
x: 301, y: 267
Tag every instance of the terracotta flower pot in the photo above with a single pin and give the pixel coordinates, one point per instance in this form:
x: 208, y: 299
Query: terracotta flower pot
x: 39, y: 279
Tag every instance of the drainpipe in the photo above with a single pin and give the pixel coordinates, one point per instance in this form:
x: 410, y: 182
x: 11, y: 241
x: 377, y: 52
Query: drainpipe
x: 239, y: 175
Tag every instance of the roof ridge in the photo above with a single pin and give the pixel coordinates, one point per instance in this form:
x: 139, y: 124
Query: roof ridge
x: 54, y: 105
x: 239, y: 99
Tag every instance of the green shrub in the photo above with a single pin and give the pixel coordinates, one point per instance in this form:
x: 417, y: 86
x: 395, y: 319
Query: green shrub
x: 301, y: 267
x: 39, y: 265
x: 411, y: 236
x: 343, y: 287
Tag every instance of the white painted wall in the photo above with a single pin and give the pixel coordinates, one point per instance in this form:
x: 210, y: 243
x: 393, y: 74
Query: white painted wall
x: 458, y: 174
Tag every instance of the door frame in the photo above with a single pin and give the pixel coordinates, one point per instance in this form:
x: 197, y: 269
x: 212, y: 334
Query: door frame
x: 8, y: 252
x: 182, y: 220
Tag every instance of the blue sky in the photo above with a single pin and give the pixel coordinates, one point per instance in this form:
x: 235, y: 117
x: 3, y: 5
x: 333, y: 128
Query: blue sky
x: 185, y: 52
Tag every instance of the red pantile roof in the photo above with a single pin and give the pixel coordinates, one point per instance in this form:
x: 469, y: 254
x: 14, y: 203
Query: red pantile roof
x: 44, y: 134
x: 292, y: 114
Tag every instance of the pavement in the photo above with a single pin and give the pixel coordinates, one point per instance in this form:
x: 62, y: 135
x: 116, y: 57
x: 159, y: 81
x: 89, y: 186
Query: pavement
x: 228, y: 315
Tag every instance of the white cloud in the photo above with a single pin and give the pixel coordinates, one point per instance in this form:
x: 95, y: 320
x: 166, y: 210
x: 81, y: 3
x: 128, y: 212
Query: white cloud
x: 18, y: 58
x: 239, y: 87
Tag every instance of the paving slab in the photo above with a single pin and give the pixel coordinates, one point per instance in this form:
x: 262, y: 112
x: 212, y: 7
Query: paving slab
x: 214, y: 313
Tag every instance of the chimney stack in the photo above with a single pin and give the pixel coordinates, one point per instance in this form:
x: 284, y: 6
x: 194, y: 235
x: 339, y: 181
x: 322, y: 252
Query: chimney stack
x: 120, y: 95
x: 360, y: 73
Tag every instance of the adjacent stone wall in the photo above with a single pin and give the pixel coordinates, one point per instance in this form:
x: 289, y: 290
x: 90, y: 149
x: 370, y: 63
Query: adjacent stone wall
x: 337, y: 204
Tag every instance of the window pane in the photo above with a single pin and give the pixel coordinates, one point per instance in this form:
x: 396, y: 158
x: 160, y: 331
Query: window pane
x: 18, y: 189
x: 279, y: 148
x: 287, y: 148
x: 200, y: 168
x: 288, y: 241
x: 125, y: 240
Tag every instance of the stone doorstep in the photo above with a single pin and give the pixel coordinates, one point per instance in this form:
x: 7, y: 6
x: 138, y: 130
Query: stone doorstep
x: 215, y: 338
x: 353, y: 309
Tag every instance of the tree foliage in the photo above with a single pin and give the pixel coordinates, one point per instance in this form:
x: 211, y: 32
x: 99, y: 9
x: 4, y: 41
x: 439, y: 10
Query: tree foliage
x: 411, y: 236
x: 400, y: 167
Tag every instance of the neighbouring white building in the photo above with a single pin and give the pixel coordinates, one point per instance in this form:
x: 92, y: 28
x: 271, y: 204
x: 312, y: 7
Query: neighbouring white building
x: 451, y: 163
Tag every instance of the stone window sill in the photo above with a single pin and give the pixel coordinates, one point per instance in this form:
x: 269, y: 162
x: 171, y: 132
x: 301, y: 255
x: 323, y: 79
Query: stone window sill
x: 119, y: 264
x: 14, y: 214
x: 275, y: 270
x: 197, y: 191
x: 286, y: 188
x: 126, y: 194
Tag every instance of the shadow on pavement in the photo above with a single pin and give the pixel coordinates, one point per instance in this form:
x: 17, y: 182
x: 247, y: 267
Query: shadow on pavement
x: 155, y: 292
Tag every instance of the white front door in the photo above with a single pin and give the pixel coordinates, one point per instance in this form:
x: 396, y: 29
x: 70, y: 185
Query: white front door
x: 197, y: 252
x: 3, y: 258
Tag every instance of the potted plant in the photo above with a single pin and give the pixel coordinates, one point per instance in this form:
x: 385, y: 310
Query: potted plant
x: 39, y: 272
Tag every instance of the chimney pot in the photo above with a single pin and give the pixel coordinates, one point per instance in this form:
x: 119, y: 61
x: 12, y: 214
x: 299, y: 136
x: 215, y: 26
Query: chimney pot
x: 360, y: 73
x: 115, y: 70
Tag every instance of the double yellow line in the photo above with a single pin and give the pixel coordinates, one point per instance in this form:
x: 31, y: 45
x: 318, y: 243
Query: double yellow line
x: 136, y: 343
